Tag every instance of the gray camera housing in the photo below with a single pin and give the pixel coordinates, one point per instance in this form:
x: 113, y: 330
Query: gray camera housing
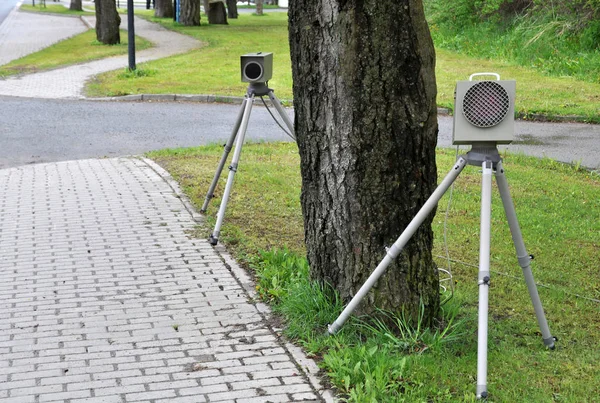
x: 484, y: 112
x: 257, y: 67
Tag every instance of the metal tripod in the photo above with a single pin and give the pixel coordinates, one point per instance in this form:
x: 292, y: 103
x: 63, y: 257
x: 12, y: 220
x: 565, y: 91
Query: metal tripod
x: 239, y: 131
x: 485, y: 155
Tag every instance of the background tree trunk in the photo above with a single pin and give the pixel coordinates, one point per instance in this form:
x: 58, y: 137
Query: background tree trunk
x: 163, y: 9
x: 206, y: 4
x: 189, y: 13
x: 232, y: 11
x: 76, y: 5
x: 217, y: 13
x: 107, y: 22
x: 259, y: 7
x: 366, y: 124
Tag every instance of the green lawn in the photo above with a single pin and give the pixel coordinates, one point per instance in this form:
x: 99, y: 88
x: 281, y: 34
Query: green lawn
x: 53, y: 9
x: 559, y: 211
x: 215, y: 70
x: 78, y: 49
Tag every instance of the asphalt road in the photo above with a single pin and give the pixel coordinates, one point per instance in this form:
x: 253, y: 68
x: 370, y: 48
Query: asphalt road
x: 39, y: 130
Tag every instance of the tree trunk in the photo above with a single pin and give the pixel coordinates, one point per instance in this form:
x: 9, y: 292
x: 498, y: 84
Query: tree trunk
x: 217, y: 13
x: 366, y: 124
x: 76, y: 5
x: 107, y: 22
x: 163, y: 9
x: 259, y: 7
x: 206, y: 4
x: 232, y: 11
x: 189, y: 13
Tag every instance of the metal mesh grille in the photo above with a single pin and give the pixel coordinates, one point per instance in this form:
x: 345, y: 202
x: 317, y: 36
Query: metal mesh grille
x: 486, y: 104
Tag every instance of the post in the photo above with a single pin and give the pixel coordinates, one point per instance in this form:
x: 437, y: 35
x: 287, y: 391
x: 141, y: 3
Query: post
x: 130, y: 35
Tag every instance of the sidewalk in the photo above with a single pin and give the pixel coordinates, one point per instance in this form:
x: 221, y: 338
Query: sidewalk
x: 107, y: 298
x: 24, y: 33
x: 68, y: 82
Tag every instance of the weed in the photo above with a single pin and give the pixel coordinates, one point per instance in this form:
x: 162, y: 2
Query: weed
x: 397, y: 331
x: 137, y: 73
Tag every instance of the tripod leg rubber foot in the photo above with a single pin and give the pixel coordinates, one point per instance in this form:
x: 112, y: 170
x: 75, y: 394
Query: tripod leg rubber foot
x: 212, y: 240
x: 549, y: 342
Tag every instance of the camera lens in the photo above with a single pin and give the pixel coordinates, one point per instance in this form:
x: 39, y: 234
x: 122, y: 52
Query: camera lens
x: 253, y: 71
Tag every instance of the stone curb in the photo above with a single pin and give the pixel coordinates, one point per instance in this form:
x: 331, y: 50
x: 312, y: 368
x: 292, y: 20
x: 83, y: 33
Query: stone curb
x: 535, y: 117
x: 223, y: 99
x: 86, y: 21
x: 305, y: 364
x: 176, y: 189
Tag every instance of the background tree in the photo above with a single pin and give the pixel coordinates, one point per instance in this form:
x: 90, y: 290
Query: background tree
x: 76, y: 5
x: 216, y: 12
x: 232, y: 11
x: 107, y: 22
x: 163, y: 9
x: 189, y: 12
x: 366, y: 124
x: 259, y: 7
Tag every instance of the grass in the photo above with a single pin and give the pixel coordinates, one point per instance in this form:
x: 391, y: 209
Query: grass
x: 559, y: 210
x: 536, y: 93
x: 252, y: 6
x: 78, y: 49
x: 216, y: 67
x: 558, y: 45
x: 53, y: 9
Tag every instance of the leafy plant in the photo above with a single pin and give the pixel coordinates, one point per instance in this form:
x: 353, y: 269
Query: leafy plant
x: 278, y: 271
x: 368, y: 373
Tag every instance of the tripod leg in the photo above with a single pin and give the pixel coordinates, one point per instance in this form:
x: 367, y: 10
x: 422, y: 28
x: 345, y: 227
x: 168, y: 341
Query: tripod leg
x: 483, y: 278
x: 400, y: 243
x: 522, y: 256
x: 214, y: 237
x: 284, y: 116
x: 228, y: 146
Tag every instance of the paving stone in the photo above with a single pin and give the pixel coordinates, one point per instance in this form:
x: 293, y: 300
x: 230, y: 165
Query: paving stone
x: 88, y: 315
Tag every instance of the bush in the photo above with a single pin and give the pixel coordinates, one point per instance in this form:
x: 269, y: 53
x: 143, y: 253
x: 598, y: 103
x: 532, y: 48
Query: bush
x: 561, y: 40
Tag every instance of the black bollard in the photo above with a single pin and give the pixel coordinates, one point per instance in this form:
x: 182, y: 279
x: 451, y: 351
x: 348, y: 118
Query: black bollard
x: 130, y: 35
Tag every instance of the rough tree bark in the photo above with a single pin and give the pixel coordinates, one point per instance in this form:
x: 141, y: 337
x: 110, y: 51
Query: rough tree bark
x: 216, y: 12
x: 76, y: 5
x: 232, y: 11
x: 189, y: 13
x: 163, y: 9
x: 259, y: 7
x: 107, y: 22
x: 366, y: 124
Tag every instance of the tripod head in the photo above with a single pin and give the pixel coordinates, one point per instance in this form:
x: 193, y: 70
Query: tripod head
x: 481, y: 152
x: 258, y: 89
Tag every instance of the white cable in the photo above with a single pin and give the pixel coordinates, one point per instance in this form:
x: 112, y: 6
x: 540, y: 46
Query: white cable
x: 537, y: 284
x: 448, y: 269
